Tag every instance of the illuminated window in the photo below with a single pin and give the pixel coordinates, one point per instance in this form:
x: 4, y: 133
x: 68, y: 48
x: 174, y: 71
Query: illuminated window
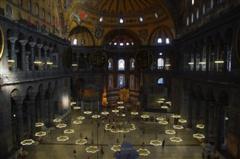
x: 75, y: 41
x: 132, y: 64
x: 187, y: 22
x: 159, y: 40
x: 193, y: 2
x: 160, y: 81
x: 167, y: 41
x: 121, y: 81
x: 204, y: 9
x: 121, y: 65
x: 121, y: 21
x: 197, y: 14
x: 101, y: 19
x: 110, y: 64
x: 160, y: 63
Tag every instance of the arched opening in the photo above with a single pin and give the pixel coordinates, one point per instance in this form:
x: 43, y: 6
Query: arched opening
x: 121, y: 38
x: 121, y: 65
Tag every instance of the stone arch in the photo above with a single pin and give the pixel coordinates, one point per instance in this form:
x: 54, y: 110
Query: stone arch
x: 222, y: 106
x: 28, y: 112
x: 160, y: 32
x: 39, y: 104
x: 121, y: 35
x: 82, y: 34
x: 15, y: 117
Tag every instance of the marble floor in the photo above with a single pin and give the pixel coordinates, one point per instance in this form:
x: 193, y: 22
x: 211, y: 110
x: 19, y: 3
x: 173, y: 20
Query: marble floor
x: 94, y: 130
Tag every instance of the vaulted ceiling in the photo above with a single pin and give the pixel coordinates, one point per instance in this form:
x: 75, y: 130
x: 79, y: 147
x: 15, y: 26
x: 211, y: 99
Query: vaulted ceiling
x: 136, y: 15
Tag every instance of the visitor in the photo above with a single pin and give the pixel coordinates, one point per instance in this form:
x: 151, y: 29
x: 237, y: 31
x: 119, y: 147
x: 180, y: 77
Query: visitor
x: 102, y: 152
x: 74, y: 154
x: 163, y: 144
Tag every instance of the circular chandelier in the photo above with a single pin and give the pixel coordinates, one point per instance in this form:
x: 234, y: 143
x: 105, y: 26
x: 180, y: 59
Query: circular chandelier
x: 87, y: 112
x: 143, y: 152
x: 105, y: 113
x: 134, y: 113
x: 199, y: 136
x: 145, y: 116
x: 40, y: 134
x: 69, y: 131
x: 62, y: 138
x: 176, y: 139
x: 81, y: 117
x: 182, y: 121
x: 200, y: 126
x: 115, y: 111
x: 40, y: 124
x: 92, y: 149
x: 81, y: 142
x: 116, y: 148
x: 60, y: 126
x: 178, y: 127
x: 163, y: 122
x: 77, y: 122
x: 155, y: 142
x: 170, y: 132
x: 96, y: 116
x: 27, y: 142
x: 57, y: 120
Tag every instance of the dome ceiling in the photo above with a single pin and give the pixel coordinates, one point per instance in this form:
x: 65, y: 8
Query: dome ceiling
x: 123, y: 8
x: 133, y: 12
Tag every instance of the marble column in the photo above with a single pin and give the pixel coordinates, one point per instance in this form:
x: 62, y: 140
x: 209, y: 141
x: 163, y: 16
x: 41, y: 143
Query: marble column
x: 24, y: 59
x: 45, y: 60
x: 32, y: 44
x: 39, y: 54
x: 13, y: 53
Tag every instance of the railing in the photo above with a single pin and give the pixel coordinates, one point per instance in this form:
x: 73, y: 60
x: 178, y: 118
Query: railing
x: 31, y: 76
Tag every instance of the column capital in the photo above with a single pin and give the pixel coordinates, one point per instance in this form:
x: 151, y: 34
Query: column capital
x: 32, y: 44
x: 23, y: 42
x: 12, y: 39
x: 39, y: 46
x: 46, y: 48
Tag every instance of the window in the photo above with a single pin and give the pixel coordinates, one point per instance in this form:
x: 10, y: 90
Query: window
x: 197, y: 14
x: 132, y: 64
x: 159, y: 40
x: 110, y: 64
x: 121, y: 65
x: 160, y: 63
x: 75, y: 41
x: 204, y: 9
x: 187, y: 22
x: 193, y: 2
x: 160, y: 81
x: 121, y: 21
x: 101, y: 19
x: 121, y: 81
x: 167, y: 41
x: 192, y: 18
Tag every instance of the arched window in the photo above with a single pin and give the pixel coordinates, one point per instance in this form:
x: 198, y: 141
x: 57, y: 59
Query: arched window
x: 132, y: 64
x: 167, y: 41
x: 75, y: 41
x: 121, y: 81
x: 110, y: 64
x: 121, y: 65
x: 160, y: 63
x: 160, y: 81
